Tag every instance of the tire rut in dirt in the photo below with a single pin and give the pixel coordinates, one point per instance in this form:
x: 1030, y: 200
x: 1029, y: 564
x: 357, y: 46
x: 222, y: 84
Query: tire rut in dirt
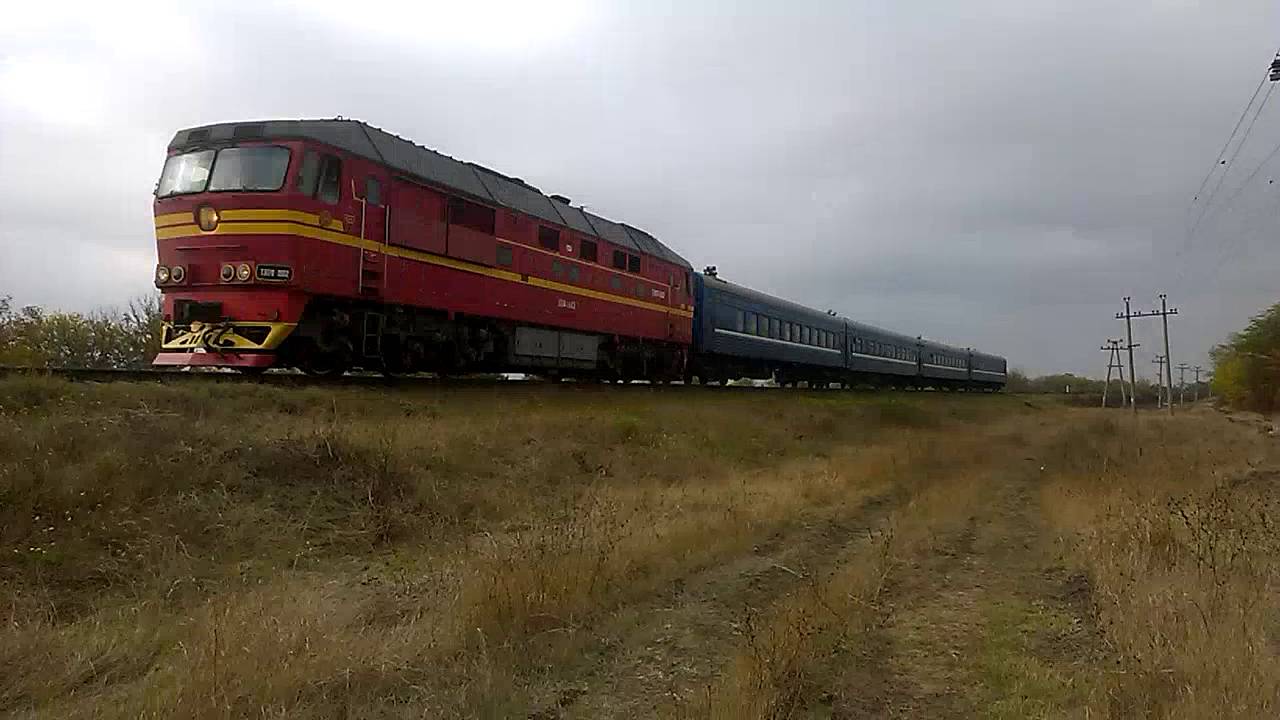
x: 925, y: 659
x: 647, y: 654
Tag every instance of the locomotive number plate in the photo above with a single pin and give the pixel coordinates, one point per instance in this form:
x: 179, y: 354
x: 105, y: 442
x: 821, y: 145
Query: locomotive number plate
x: 275, y: 273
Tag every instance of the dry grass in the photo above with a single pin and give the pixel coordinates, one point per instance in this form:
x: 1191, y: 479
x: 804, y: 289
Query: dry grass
x: 792, y: 654
x: 206, y: 551
x: 1176, y: 530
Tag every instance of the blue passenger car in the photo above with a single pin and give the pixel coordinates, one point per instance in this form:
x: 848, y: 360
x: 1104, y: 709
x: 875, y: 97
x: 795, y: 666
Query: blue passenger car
x: 877, y: 352
x: 739, y: 332
x: 943, y: 365
x: 988, y: 371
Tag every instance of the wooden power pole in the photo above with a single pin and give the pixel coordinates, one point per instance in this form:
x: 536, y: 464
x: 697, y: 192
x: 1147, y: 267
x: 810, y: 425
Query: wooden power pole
x: 1163, y: 313
x: 1113, y: 363
x: 1182, y: 384
x: 1160, y: 391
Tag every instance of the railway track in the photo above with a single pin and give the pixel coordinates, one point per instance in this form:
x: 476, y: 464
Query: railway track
x: 294, y: 379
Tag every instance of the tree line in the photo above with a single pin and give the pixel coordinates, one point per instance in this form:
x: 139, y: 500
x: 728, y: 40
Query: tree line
x: 110, y: 338
x: 1246, y: 367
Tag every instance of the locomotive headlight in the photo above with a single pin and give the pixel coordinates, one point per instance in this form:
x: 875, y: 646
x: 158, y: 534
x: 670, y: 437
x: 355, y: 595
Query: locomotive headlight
x: 228, y: 272
x: 162, y: 274
x: 207, y: 218
x: 244, y: 272
x: 177, y: 273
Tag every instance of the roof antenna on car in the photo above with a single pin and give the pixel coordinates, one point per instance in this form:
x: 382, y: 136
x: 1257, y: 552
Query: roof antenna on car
x: 710, y: 271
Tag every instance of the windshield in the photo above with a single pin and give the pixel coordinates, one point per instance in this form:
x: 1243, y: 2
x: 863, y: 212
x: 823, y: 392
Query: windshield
x: 250, y: 168
x: 254, y: 169
x: 185, y: 173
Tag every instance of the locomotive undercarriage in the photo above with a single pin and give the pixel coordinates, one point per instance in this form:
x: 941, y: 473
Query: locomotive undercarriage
x: 335, y: 336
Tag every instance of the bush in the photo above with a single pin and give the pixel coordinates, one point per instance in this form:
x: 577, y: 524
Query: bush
x: 33, y: 337
x: 1246, y: 368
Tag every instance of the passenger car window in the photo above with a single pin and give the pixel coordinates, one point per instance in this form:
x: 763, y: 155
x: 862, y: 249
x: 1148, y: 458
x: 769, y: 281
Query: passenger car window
x: 775, y: 328
x: 737, y: 320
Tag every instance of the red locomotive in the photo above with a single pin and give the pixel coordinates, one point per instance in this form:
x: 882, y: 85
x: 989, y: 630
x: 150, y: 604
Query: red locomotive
x: 329, y: 245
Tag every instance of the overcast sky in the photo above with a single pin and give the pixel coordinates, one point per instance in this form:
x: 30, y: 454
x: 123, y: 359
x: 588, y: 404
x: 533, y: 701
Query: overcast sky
x: 990, y: 174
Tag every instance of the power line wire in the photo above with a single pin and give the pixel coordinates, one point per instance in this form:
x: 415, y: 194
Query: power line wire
x: 1208, y: 203
x: 1222, y: 153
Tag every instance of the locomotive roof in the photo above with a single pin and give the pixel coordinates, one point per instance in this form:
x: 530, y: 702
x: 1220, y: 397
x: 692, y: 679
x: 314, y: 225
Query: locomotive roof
x: 434, y: 168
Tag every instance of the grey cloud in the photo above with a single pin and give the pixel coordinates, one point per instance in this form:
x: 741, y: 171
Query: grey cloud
x: 994, y: 174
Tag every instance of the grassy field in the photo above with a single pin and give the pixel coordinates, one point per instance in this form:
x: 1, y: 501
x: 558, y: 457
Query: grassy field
x: 555, y: 552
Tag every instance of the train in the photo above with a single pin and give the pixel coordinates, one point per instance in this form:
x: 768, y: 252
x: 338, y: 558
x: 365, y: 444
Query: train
x: 331, y: 246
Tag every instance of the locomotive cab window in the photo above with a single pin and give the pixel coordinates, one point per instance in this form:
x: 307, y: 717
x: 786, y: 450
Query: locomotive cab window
x: 186, y: 173
x: 309, y: 173
x: 330, y: 185
x: 252, y: 169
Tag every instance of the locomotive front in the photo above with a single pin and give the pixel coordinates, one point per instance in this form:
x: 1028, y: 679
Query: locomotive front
x: 228, y: 213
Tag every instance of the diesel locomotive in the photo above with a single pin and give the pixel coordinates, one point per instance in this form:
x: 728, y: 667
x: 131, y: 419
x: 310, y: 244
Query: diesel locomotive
x: 332, y: 245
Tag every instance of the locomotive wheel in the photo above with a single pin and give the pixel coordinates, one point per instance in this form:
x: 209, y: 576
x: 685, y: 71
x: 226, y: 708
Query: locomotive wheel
x: 323, y: 365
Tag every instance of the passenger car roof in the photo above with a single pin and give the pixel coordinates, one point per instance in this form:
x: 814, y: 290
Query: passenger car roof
x: 433, y: 168
x: 764, y: 299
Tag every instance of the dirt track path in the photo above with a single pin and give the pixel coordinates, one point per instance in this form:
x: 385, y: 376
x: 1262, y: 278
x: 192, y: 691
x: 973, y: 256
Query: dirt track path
x: 652, y: 654
x: 980, y: 623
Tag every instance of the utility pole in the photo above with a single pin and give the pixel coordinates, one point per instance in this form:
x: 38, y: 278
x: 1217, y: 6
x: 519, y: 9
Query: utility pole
x: 1133, y: 381
x: 1159, y: 363
x: 1195, y: 392
x: 1182, y: 384
x: 1113, y: 363
x: 1164, y: 312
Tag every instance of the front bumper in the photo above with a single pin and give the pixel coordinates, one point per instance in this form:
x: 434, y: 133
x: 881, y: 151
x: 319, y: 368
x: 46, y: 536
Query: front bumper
x: 224, y: 337
x: 222, y: 344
